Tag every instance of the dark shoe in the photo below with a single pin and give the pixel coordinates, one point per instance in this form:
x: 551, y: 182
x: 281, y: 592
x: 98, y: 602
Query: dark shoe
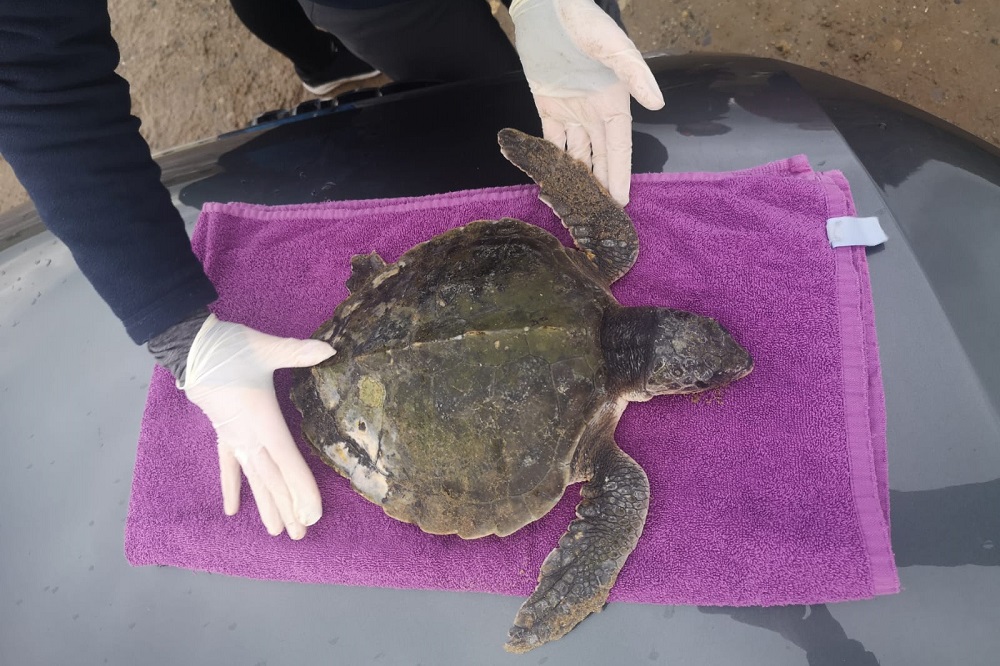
x: 344, y: 68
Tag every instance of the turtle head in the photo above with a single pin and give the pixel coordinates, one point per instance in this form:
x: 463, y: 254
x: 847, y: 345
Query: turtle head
x: 691, y: 353
x: 660, y: 351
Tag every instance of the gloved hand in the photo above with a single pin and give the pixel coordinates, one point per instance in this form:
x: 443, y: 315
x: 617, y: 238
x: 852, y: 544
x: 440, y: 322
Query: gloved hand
x: 229, y: 375
x: 581, y: 68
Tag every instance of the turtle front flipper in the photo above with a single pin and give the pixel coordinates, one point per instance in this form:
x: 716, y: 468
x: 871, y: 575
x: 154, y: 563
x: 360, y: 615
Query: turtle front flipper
x: 576, y: 577
x: 599, y: 226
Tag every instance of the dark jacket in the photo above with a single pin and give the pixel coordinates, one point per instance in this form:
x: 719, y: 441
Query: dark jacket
x: 67, y: 130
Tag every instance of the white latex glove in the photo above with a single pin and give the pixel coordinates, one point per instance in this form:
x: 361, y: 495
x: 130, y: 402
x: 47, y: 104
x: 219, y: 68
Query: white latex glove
x: 230, y: 376
x: 582, y: 68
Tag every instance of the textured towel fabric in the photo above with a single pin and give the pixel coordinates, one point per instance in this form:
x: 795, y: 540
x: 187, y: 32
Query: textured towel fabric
x: 774, y: 492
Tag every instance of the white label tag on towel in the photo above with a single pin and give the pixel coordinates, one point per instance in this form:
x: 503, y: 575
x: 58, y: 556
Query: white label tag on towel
x: 854, y: 231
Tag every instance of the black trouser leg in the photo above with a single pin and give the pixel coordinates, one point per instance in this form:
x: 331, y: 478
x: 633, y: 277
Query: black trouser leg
x: 284, y: 26
x: 422, y: 40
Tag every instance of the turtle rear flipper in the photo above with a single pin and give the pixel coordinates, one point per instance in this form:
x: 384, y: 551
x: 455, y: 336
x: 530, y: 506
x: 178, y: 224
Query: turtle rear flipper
x: 576, y: 577
x: 364, y: 268
x: 599, y: 226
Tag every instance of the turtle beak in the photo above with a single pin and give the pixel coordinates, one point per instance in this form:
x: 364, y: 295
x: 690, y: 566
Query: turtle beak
x: 736, y: 364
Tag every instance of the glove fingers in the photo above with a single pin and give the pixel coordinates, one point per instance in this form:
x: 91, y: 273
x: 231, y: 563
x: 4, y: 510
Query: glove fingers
x: 553, y: 131
x: 294, y: 353
x: 231, y: 477
x: 268, y: 510
x: 306, y: 505
x: 619, y: 156
x: 599, y: 149
x: 578, y: 144
x: 231, y: 381
x: 640, y: 81
x: 277, y: 488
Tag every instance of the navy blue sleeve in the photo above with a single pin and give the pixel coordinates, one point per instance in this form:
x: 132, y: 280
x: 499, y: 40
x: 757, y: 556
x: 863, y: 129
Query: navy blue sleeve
x: 66, y: 129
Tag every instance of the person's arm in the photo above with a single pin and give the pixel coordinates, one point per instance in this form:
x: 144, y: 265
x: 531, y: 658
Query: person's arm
x: 67, y: 130
x: 582, y: 69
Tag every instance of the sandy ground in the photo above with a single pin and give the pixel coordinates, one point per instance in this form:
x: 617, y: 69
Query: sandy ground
x: 195, y: 71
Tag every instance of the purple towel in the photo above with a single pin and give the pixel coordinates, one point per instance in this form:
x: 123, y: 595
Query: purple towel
x: 774, y: 492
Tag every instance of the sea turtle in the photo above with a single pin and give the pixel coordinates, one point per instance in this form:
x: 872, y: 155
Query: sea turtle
x: 486, y: 370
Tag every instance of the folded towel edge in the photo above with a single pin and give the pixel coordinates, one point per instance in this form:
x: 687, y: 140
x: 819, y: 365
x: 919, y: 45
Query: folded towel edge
x: 859, y: 401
